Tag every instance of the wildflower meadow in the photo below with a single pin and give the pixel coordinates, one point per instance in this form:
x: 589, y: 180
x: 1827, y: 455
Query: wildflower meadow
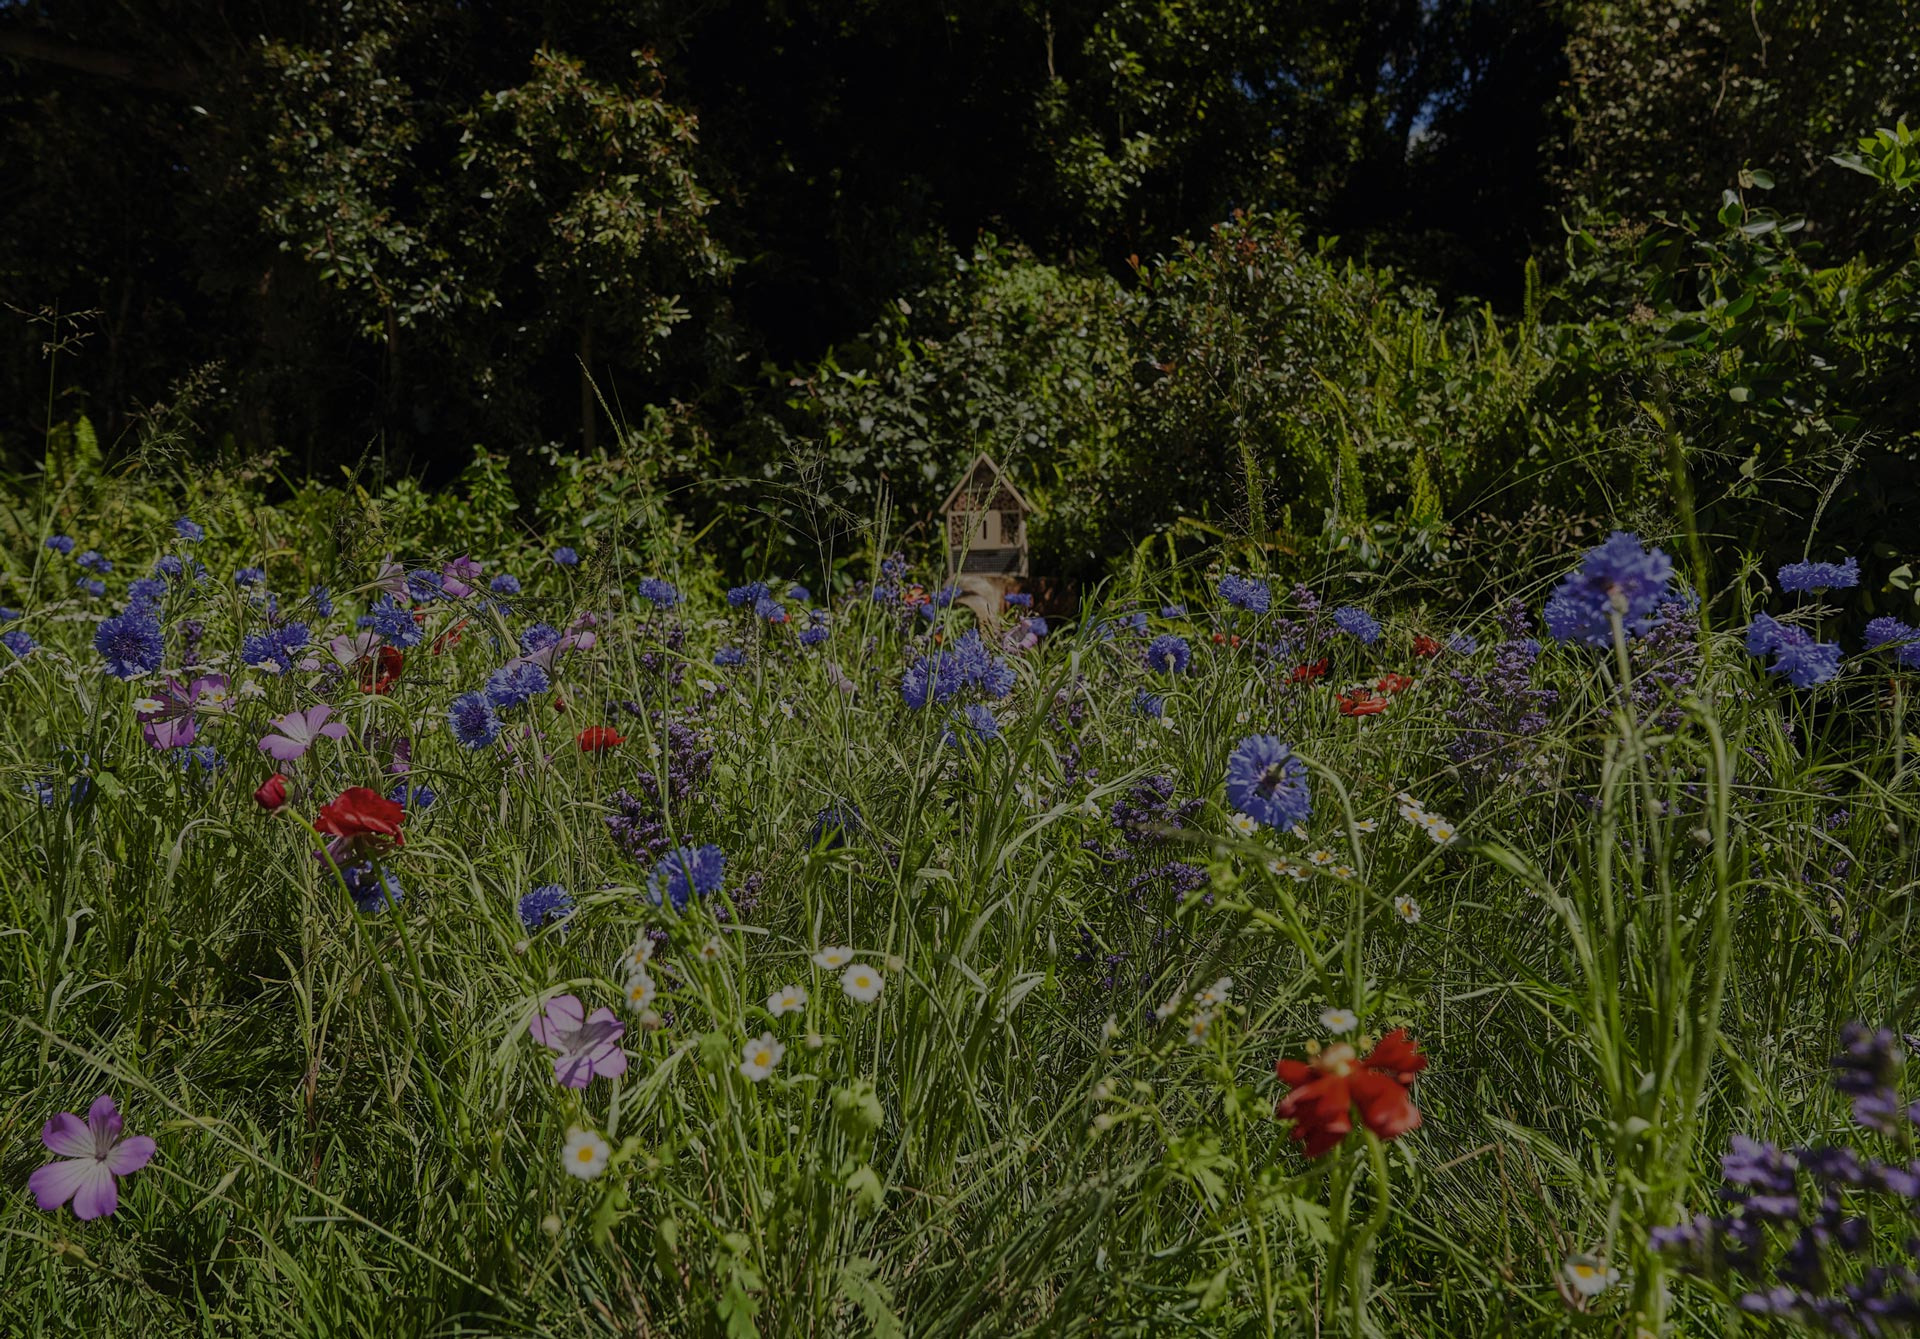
x: 547, y: 938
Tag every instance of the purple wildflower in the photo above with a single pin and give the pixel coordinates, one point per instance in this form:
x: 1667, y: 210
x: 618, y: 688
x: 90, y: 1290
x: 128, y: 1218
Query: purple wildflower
x: 587, y: 1044
x: 94, y: 1156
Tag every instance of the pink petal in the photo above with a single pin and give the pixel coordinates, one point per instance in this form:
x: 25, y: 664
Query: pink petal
x: 335, y: 731
x: 612, y: 1061
x: 103, y: 1118
x: 566, y: 1012
x: 572, y: 1071
x: 282, y: 748
x: 67, y: 1135
x: 130, y: 1155
x: 57, y: 1182
x: 98, y: 1194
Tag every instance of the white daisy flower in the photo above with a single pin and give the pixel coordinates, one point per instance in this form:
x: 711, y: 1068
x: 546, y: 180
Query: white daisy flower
x: 641, y: 992
x: 1322, y: 858
x: 760, y: 1056
x: 786, y: 708
x: 1090, y: 807
x: 636, y: 958
x: 1242, y: 717
x: 148, y: 704
x: 1365, y: 824
x: 585, y: 1154
x: 862, y: 983
x: 1442, y: 832
x: 711, y: 951
x: 832, y: 958
x: 1278, y: 866
x: 1216, y: 994
x: 1587, y: 1276
x: 1198, y: 1027
x: 1339, y: 1020
x: 1406, y: 909
x: 1299, y: 831
x: 1341, y: 871
x: 786, y: 1000
x: 1244, y: 824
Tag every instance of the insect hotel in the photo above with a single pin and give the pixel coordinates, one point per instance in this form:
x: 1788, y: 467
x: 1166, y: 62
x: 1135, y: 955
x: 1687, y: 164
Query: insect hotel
x: 986, y: 537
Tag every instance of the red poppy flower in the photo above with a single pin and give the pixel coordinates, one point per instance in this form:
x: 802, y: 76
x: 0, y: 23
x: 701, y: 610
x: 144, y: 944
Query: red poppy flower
x: 1219, y: 639
x: 1234, y: 641
x: 1394, y: 683
x: 1425, y: 647
x: 451, y: 637
x: 1307, y: 673
x: 272, y: 793
x: 380, y: 669
x: 362, y: 817
x: 559, y: 703
x: 1327, y: 1088
x: 1359, y: 702
x: 599, y: 738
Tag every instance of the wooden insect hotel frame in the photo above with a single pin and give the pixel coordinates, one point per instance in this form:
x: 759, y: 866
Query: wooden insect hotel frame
x: 986, y: 519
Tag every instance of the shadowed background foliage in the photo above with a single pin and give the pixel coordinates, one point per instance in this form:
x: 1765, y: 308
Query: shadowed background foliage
x: 1295, y: 271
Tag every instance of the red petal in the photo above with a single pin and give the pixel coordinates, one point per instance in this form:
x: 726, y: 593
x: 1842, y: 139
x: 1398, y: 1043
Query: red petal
x: 1384, y: 1105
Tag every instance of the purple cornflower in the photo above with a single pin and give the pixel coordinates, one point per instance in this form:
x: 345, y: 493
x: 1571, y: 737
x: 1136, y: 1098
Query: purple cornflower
x: 638, y: 824
x: 685, y: 873
x: 834, y: 825
x: 1902, y: 637
x: 131, y: 642
x: 146, y: 590
x: 1805, y: 578
x: 273, y: 650
x: 1149, y: 704
x: 248, y: 577
x: 973, y: 723
x: 93, y: 562
x: 814, y: 635
x: 424, y: 586
x: 1019, y: 600
x: 1168, y: 654
x: 942, y: 674
x: 1246, y: 593
x: 550, y: 903
x: 566, y: 557
x: 1620, y: 578
x: 588, y: 1044
x: 322, y: 602
x: 770, y: 609
x: 60, y: 544
x: 1796, y: 655
x: 1267, y: 783
x: 372, y: 891
x: 749, y: 595
x: 515, y: 683
x: 298, y: 731
x: 729, y: 657
x: 412, y: 797
x: 1357, y: 623
x: 506, y: 583
x: 191, y: 531
x: 472, y: 721
x: 1665, y: 664
x: 19, y: 641
x: 92, y: 587
x: 94, y: 1156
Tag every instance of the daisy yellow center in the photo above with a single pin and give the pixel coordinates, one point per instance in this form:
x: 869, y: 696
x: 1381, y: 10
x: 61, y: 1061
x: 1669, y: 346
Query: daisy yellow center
x: 586, y: 1153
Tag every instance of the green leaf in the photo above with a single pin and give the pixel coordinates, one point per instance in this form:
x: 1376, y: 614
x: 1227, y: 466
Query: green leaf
x: 860, y: 1284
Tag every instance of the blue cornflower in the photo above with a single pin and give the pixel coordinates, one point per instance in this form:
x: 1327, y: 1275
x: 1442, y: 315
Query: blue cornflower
x: 19, y: 641
x: 248, y: 577
x: 169, y: 565
x: 660, y: 591
x: 92, y: 586
x: 366, y: 889
x: 203, y: 759
x: 939, y: 675
x: 729, y: 657
x: 1019, y: 600
x: 546, y: 904
x: 191, y: 531
x: 9, y: 615
x: 393, y: 621
x: 1904, y: 638
x: 131, y: 642
x: 973, y: 723
x: 472, y: 721
x: 1462, y: 645
x: 93, y: 562
x: 147, y: 590
x: 1168, y: 654
x: 274, y: 648
x: 1149, y: 704
x: 1802, y: 578
x: 513, y: 684
x: 321, y: 600
x: 506, y: 583
x: 814, y: 635
x: 1266, y: 782
x: 1246, y: 593
x: 685, y: 873
x: 799, y: 594
x: 770, y: 609
x: 1173, y: 611
x: 566, y: 557
x: 60, y: 544
x: 745, y: 597
x: 835, y: 825
x: 1357, y: 622
x: 1796, y: 655
x: 412, y: 796
x: 424, y: 586
x: 1620, y: 577
x: 538, y: 638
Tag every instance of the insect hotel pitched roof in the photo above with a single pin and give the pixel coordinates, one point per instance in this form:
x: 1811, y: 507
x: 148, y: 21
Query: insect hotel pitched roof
x: 994, y: 496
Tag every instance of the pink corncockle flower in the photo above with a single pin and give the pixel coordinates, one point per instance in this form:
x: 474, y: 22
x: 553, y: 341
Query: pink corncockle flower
x: 349, y: 649
x: 93, y: 1157
x: 456, y: 577
x: 392, y: 578
x: 168, y: 720
x: 300, y: 731
x: 588, y: 1044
